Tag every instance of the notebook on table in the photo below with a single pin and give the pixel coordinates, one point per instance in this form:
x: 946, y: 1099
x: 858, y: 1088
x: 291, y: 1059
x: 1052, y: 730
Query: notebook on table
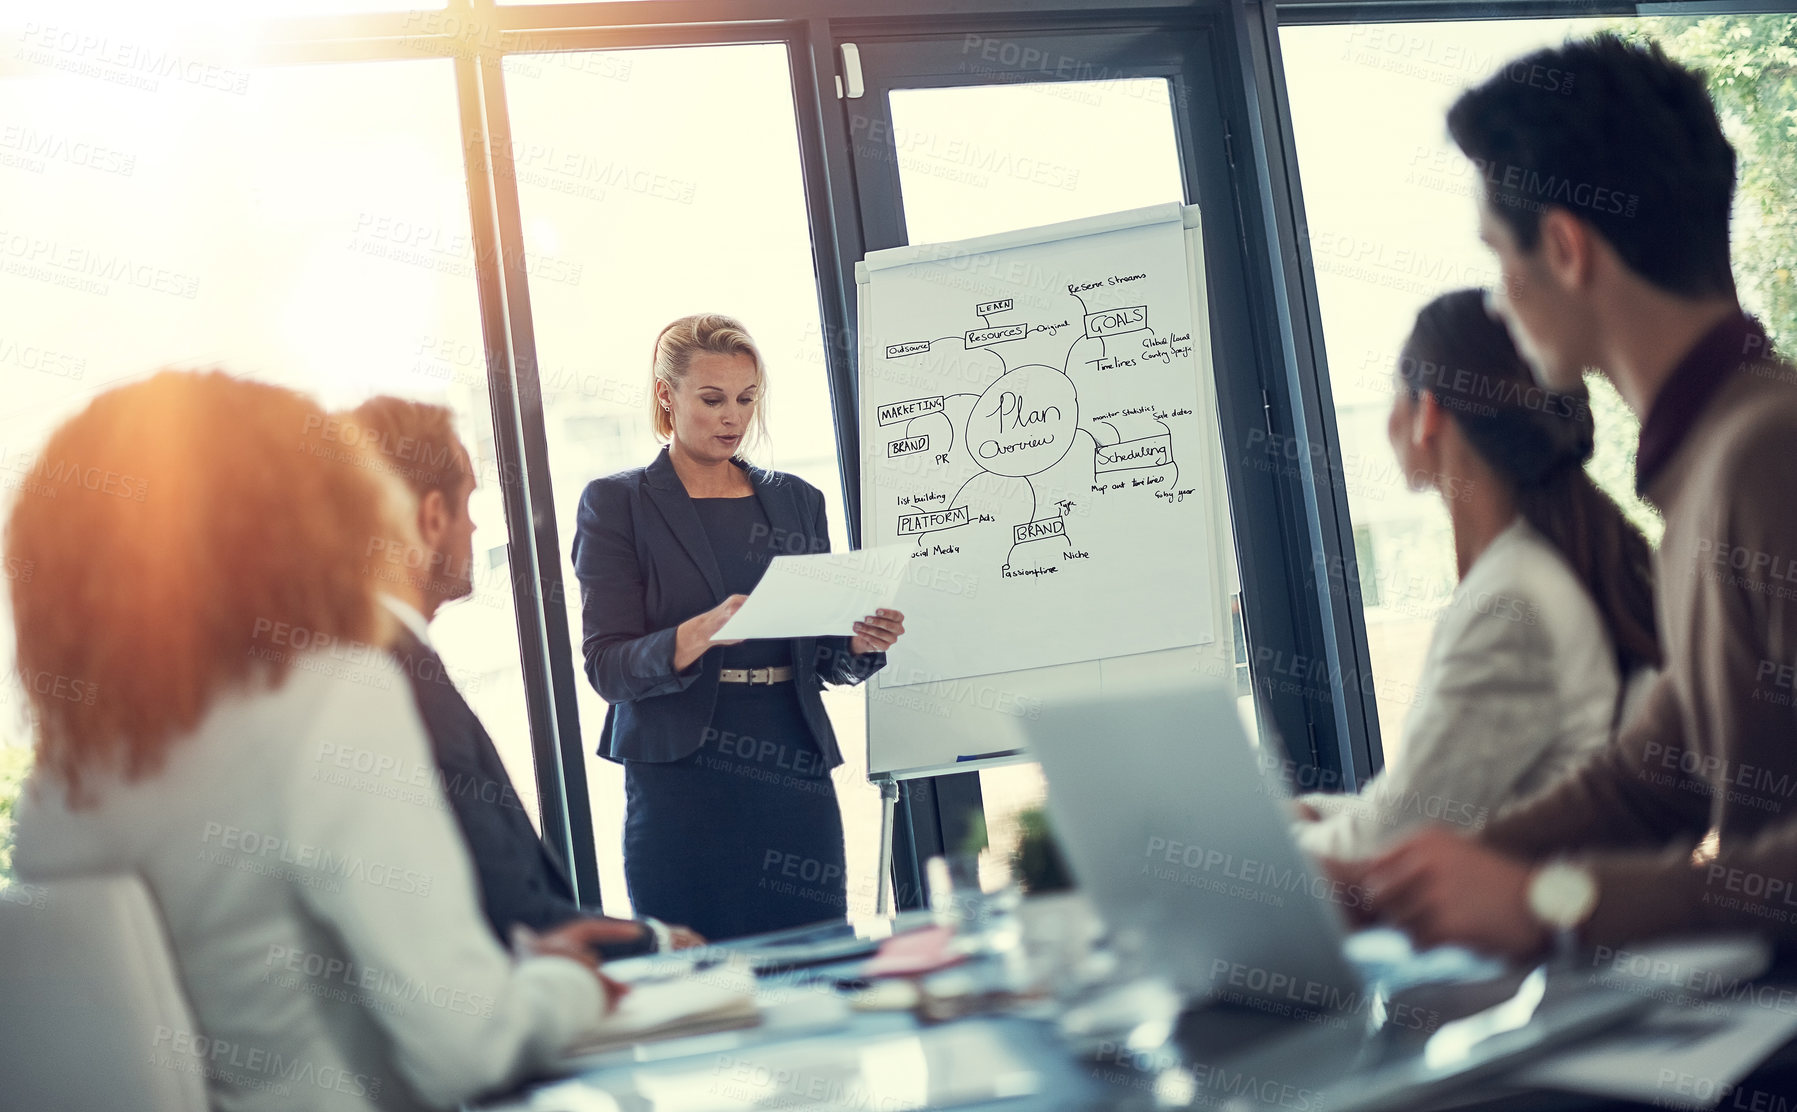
x: 722, y: 998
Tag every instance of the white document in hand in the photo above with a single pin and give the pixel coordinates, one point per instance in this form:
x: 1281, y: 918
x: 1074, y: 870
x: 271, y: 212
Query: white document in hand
x: 820, y: 595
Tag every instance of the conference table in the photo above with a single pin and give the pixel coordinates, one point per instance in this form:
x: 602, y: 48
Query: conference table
x: 1015, y: 1023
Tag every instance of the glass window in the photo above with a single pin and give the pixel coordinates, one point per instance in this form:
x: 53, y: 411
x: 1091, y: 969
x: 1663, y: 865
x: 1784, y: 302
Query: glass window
x: 1126, y: 157
x: 657, y: 183
x: 154, y: 41
x: 308, y: 228
x: 1392, y: 223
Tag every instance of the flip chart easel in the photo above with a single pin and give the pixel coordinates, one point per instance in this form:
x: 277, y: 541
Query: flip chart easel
x: 1038, y: 421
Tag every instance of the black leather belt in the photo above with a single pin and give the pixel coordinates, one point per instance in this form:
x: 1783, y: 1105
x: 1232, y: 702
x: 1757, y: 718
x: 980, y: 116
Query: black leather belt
x: 782, y: 674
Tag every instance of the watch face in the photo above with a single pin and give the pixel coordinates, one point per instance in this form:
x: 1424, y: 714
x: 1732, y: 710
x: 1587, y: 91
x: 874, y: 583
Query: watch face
x: 1562, y: 895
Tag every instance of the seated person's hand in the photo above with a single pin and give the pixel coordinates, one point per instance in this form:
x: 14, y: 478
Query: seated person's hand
x: 1443, y: 887
x: 685, y: 938
x: 578, y: 940
x: 1348, y: 884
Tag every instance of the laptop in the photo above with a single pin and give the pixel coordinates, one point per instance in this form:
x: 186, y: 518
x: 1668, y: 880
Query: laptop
x: 1174, y: 829
x: 1181, y: 838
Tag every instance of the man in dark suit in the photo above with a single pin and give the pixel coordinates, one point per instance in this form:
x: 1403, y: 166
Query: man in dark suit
x: 522, y: 884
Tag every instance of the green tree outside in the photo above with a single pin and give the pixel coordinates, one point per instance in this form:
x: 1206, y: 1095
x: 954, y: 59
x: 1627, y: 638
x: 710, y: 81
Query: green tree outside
x: 1750, y: 63
x: 15, y: 761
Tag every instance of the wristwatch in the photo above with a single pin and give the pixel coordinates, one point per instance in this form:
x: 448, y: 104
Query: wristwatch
x: 664, y: 937
x: 1561, y: 897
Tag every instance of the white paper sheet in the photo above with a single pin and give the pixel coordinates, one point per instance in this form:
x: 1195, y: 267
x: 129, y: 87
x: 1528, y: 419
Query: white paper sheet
x: 820, y: 595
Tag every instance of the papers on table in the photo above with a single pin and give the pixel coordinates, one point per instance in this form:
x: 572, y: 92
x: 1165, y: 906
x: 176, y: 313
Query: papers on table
x: 1682, y: 1055
x: 1712, y: 1024
x: 820, y: 595
x: 718, y: 999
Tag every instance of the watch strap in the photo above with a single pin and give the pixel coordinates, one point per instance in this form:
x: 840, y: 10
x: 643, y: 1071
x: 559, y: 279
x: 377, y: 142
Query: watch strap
x: 664, y: 936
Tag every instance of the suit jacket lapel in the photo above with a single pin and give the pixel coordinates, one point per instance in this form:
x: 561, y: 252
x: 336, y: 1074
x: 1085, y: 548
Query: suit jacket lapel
x: 780, y: 502
x: 670, y: 497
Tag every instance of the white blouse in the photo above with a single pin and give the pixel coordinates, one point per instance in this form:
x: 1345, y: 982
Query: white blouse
x: 1519, y: 684
x: 320, y: 903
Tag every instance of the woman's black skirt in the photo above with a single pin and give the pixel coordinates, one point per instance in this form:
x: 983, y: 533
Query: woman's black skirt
x: 743, y: 836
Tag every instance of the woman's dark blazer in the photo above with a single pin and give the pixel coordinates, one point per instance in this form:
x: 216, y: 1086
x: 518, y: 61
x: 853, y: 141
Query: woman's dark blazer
x: 645, y: 565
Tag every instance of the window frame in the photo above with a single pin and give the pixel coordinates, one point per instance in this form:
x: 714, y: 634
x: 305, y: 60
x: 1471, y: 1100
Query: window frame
x: 1300, y: 317
x: 1270, y: 511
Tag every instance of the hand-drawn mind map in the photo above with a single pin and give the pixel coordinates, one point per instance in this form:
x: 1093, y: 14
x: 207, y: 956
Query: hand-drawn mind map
x: 1032, y: 432
x: 1029, y: 419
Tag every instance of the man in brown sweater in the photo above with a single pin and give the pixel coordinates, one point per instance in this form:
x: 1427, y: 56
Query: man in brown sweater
x: 1606, y: 201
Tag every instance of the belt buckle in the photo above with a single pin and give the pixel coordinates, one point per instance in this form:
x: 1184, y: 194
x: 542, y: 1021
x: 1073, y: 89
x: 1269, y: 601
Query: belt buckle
x: 761, y: 675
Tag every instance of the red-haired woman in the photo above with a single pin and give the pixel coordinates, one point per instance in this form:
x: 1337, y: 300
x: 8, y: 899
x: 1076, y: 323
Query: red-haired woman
x: 243, y: 744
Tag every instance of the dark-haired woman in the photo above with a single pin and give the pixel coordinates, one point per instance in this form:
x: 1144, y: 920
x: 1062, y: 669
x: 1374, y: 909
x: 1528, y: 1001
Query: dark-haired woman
x: 1553, y: 614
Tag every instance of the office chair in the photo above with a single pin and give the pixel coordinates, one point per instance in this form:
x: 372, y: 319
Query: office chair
x: 91, y: 1002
